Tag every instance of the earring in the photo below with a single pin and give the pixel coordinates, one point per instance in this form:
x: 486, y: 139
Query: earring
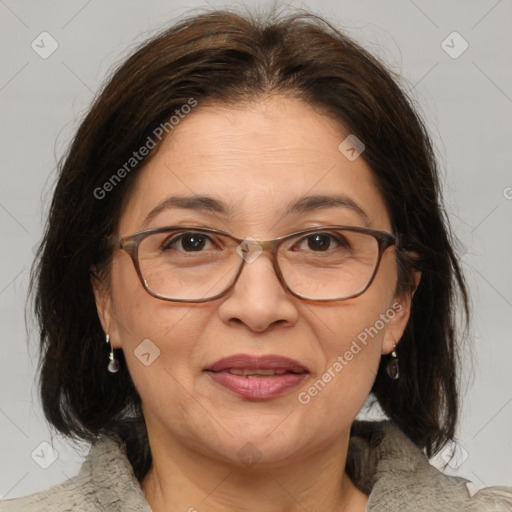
x: 392, y: 368
x: 113, y: 365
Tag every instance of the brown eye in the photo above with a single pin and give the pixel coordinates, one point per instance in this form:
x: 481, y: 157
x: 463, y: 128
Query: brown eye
x: 319, y: 242
x: 187, y: 242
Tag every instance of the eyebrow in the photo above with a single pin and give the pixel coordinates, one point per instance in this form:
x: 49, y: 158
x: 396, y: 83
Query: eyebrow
x: 303, y: 205
x: 319, y: 202
x: 200, y: 203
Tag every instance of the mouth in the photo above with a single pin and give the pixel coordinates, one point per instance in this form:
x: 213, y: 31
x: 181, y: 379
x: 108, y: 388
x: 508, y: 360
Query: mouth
x: 257, y: 377
x: 249, y: 373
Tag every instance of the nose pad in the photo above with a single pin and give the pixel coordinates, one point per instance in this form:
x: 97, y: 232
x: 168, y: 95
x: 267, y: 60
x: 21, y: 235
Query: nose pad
x: 258, y: 300
x: 249, y: 249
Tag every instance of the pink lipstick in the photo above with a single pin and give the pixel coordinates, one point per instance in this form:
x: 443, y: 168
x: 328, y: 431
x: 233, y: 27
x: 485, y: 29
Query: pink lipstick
x: 257, y: 377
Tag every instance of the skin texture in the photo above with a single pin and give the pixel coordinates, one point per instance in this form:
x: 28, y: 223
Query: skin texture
x: 256, y: 159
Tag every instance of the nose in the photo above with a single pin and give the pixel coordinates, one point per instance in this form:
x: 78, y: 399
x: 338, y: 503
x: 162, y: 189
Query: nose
x: 258, y: 300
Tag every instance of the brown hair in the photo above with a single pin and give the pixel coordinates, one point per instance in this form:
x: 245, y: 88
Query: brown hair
x: 226, y: 58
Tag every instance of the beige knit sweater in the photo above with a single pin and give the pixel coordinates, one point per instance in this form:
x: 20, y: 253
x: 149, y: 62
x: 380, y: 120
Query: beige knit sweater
x: 382, y: 460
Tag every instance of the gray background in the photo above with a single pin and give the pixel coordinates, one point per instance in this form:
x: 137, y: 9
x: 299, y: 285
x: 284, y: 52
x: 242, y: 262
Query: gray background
x: 467, y: 102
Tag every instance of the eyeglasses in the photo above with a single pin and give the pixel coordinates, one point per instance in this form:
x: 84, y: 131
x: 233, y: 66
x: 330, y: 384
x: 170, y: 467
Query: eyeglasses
x: 189, y: 264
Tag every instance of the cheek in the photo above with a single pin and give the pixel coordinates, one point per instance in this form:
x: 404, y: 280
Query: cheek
x: 351, y: 351
x: 139, y: 314
x: 361, y: 321
x: 350, y: 337
x: 352, y: 334
x: 157, y: 337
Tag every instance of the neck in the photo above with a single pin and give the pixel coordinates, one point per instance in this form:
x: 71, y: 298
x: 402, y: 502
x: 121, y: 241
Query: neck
x: 185, y: 479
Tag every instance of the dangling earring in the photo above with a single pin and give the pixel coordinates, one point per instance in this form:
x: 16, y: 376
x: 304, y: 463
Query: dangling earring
x: 113, y: 365
x: 392, y: 368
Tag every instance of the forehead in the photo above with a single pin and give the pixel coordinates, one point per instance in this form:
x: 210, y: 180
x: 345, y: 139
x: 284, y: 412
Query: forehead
x: 256, y: 159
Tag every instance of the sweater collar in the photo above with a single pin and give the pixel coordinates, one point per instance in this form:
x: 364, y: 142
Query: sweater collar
x: 381, y: 461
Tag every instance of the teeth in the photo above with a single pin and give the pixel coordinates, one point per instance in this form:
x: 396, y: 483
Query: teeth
x: 255, y: 373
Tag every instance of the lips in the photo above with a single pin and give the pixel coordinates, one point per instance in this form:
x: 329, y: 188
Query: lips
x: 263, y: 363
x: 257, y: 377
x: 247, y: 372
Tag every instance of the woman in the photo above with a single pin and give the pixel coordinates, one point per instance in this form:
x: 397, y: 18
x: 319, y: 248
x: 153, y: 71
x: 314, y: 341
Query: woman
x: 245, y: 241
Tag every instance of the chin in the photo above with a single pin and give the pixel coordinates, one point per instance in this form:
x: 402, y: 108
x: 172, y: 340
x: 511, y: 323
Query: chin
x: 267, y: 441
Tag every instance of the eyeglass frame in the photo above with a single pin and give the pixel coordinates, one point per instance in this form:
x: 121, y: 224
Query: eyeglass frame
x: 130, y: 244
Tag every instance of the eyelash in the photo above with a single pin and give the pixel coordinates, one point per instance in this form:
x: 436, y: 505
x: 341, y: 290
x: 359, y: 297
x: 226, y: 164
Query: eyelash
x: 339, y: 240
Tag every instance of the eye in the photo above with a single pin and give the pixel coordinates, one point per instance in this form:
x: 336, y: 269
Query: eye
x: 321, y: 242
x: 187, y: 242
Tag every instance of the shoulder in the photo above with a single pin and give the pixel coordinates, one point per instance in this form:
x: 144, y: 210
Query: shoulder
x: 60, y: 498
x: 105, y: 482
x: 399, y: 477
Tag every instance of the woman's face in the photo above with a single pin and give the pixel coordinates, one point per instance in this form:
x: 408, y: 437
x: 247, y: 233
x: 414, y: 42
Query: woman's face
x: 254, y: 161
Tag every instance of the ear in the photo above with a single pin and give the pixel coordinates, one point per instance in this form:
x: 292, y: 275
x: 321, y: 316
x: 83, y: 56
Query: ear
x: 397, y: 323
x: 104, y: 307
